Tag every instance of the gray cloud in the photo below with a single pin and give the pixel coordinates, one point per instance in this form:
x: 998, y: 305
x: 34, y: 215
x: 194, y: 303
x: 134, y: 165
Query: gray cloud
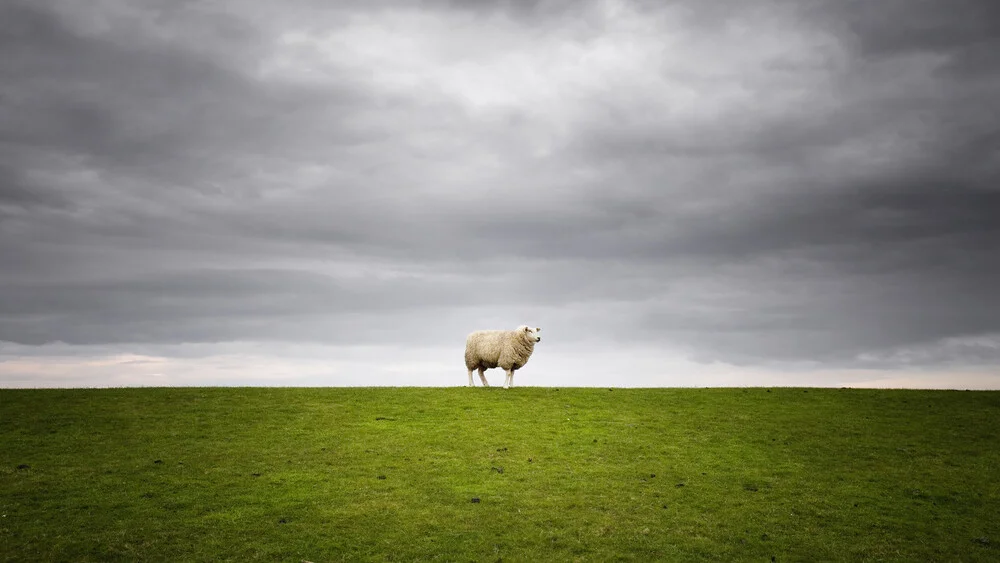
x: 210, y: 306
x: 900, y: 27
x: 770, y: 182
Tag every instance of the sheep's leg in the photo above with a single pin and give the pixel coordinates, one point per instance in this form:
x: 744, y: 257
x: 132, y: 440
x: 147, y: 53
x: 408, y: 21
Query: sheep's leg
x: 470, y: 379
x: 482, y: 377
x: 509, y: 380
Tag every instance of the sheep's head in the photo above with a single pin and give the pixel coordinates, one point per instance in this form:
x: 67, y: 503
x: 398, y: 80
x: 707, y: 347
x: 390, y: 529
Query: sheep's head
x: 530, y: 334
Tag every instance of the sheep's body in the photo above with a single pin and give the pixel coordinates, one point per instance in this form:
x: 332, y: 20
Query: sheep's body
x: 505, y: 349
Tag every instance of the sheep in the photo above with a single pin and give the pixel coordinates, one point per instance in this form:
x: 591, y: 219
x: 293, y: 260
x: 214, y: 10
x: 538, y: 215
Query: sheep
x: 506, y: 349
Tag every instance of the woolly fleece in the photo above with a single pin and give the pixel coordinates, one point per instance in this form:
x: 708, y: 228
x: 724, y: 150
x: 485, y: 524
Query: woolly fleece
x: 506, y: 349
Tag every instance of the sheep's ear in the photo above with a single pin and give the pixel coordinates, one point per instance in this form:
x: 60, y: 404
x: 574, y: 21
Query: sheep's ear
x: 538, y: 329
x: 527, y: 329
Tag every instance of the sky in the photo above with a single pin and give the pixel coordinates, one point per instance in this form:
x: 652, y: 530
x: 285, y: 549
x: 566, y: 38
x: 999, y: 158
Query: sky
x: 680, y: 194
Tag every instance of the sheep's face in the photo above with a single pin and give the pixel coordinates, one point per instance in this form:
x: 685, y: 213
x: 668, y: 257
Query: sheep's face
x: 531, y: 334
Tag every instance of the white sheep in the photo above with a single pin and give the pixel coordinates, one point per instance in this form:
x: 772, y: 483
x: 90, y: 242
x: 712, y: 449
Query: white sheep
x: 506, y: 349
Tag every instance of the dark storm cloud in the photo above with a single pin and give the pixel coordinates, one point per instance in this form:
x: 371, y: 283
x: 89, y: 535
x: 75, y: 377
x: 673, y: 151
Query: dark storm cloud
x: 910, y: 210
x: 19, y: 192
x: 964, y: 30
x: 831, y: 278
x: 208, y: 306
x: 170, y: 174
x: 155, y: 109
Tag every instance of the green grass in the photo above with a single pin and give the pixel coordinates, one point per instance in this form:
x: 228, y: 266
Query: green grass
x: 385, y: 474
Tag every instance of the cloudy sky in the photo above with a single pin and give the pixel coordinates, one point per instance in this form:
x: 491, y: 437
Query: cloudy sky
x: 680, y: 193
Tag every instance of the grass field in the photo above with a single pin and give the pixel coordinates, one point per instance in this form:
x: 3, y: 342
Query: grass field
x: 527, y: 474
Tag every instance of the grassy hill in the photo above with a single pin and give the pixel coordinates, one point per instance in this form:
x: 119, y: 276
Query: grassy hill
x: 527, y: 474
